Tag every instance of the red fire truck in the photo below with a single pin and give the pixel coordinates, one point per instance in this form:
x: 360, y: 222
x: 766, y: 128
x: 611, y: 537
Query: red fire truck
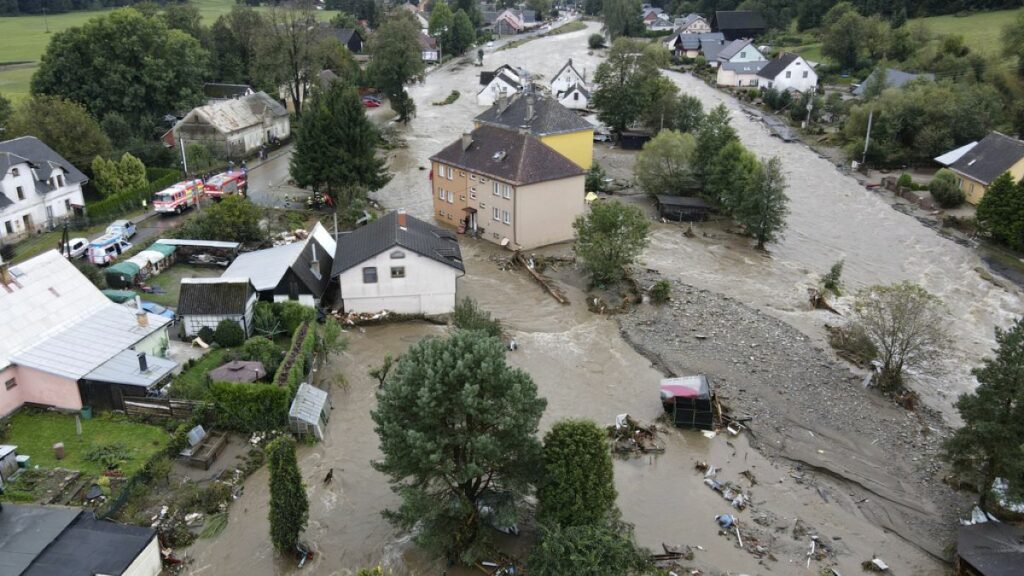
x: 226, y: 184
x: 178, y: 197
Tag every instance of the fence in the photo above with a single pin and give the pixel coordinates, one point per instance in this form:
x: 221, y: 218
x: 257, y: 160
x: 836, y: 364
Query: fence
x: 162, y: 407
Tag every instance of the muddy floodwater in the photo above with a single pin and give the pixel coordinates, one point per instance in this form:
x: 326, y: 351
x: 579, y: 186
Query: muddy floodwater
x: 585, y: 369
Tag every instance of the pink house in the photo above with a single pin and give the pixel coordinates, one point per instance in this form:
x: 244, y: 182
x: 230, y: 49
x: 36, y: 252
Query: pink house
x: 65, y: 342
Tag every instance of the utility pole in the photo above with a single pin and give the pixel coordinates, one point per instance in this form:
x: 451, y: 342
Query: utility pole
x: 867, y: 137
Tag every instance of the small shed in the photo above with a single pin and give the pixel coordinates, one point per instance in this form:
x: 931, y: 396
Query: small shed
x: 689, y: 400
x: 310, y: 411
x: 122, y: 275
x: 8, y: 462
x: 239, y: 371
x: 634, y: 139
x: 989, y: 549
x: 683, y: 208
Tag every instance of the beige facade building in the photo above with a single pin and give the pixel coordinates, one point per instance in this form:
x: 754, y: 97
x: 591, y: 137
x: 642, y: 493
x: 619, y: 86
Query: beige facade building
x: 508, y: 187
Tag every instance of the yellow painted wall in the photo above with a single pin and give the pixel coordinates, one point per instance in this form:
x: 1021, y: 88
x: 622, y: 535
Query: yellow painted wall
x: 576, y: 146
x: 974, y: 190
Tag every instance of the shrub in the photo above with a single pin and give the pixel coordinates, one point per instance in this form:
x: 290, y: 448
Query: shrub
x: 832, y: 280
x: 7, y: 252
x: 595, y: 41
x: 452, y: 97
x: 250, y: 408
x: 229, y: 334
x: 944, y: 189
x: 595, y: 179
x: 291, y: 314
x: 469, y: 316
x: 905, y: 181
x: 264, y: 321
x: 206, y: 334
x: 263, y: 350
x: 661, y: 291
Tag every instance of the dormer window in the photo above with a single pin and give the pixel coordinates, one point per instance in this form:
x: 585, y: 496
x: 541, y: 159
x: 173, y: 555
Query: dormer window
x: 60, y: 179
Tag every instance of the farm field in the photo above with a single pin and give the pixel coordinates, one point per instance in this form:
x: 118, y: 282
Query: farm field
x: 26, y: 37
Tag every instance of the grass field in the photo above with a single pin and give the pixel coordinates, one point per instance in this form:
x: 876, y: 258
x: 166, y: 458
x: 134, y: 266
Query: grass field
x: 170, y: 282
x: 35, y: 433
x: 25, y: 39
x: 980, y: 31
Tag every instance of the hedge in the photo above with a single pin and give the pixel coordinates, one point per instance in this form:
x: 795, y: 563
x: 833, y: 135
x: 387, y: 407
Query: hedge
x: 250, y: 407
x: 298, y: 360
x: 131, y: 200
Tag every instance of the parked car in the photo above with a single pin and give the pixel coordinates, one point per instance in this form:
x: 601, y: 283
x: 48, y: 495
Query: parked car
x: 126, y: 228
x: 107, y: 248
x: 76, y: 248
x: 371, y: 103
x: 602, y: 137
x: 490, y: 44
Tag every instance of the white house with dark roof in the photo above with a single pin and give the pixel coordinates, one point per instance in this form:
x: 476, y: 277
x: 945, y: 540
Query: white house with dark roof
x: 577, y: 97
x: 506, y: 81
x: 65, y: 344
x: 38, y: 188
x: 400, y: 264
x: 788, y: 72
x: 566, y: 78
x: 692, y: 24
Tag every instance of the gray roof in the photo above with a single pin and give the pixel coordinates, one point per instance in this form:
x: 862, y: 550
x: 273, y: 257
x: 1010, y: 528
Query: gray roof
x: 509, y: 156
x: 893, y: 79
x: 739, y: 20
x: 224, y: 296
x: 575, y: 88
x: 227, y: 116
x: 33, y: 150
x: 711, y: 50
x: 124, y: 369
x: 687, y: 20
x: 683, y: 201
x: 384, y: 233
x: 223, y: 91
x: 266, y: 268
x: 25, y: 531
x: 91, y: 546
x: 775, y: 67
x: 992, y: 548
x: 995, y: 154
x: 82, y: 347
x: 308, y: 404
x: 568, y: 64
x: 549, y: 117
x: 745, y: 67
x: 955, y: 154
x: 732, y: 48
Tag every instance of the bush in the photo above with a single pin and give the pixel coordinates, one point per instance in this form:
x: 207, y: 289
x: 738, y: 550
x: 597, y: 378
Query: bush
x: 264, y: 321
x: 944, y: 189
x: 206, y: 334
x: 298, y: 360
x: 661, y: 291
x: 905, y: 181
x: 469, y: 316
x: 292, y: 314
x: 595, y: 41
x: 7, y: 252
x: 249, y: 408
x: 452, y: 97
x: 229, y: 334
x: 595, y: 179
x: 262, y: 350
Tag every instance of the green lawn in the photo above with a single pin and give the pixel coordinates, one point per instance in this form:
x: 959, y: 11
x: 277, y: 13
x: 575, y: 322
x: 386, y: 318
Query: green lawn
x: 35, y: 433
x: 980, y: 31
x: 170, y: 281
x: 192, y: 382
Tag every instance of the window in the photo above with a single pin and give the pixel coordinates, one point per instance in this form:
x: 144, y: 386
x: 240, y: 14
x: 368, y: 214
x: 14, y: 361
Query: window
x: 461, y: 173
x: 15, y: 172
x: 507, y: 191
x: 462, y: 197
x: 440, y: 193
x: 60, y: 179
x: 743, y: 54
x: 506, y: 217
x: 370, y: 275
x: 789, y: 74
x: 495, y: 189
x: 451, y: 196
x: 9, y: 227
x: 472, y: 194
x: 472, y: 176
x: 483, y: 180
x: 576, y: 96
x: 67, y: 205
x: 440, y: 213
x: 805, y: 73
x: 496, y: 215
x: 451, y: 173
x: 10, y: 384
x: 398, y: 271
x: 397, y: 255
x: 21, y: 193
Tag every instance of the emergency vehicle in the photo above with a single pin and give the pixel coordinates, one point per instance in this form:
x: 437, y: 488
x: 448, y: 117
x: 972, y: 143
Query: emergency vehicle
x: 226, y: 184
x: 178, y: 197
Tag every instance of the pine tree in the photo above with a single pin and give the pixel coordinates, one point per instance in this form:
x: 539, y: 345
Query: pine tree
x: 762, y: 208
x: 336, y: 145
x: 463, y: 35
x: 289, y: 506
x: 990, y: 444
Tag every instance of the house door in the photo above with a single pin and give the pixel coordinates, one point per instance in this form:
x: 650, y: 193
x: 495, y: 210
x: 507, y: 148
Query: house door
x: 49, y: 216
x: 27, y: 221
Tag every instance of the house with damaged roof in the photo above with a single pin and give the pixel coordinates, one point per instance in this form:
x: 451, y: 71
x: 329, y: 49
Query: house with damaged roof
x: 400, y: 264
x: 508, y: 187
x: 38, y: 187
x: 236, y: 127
x: 300, y: 271
x: 66, y: 345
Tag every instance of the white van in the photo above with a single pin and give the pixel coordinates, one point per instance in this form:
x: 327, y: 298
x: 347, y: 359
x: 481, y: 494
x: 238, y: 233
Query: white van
x: 107, y: 248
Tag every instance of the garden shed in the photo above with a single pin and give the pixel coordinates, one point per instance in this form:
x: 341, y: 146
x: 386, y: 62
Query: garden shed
x: 122, y: 274
x: 689, y: 400
x: 310, y: 411
x: 8, y: 462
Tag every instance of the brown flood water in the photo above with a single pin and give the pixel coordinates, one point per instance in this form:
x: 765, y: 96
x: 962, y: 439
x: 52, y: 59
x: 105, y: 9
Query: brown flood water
x: 584, y: 369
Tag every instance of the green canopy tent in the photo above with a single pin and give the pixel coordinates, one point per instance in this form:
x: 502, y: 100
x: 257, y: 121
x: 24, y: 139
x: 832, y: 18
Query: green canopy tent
x: 121, y: 275
x: 119, y: 296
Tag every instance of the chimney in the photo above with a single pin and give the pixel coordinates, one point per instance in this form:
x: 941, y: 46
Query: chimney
x: 143, y: 366
x: 401, y: 218
x: 467, y: 141
x: 502, y: 101
x: 529, y: 107
x: 141, y: 318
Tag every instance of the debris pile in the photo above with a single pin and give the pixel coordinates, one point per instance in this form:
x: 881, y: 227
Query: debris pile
x: 631, y: 437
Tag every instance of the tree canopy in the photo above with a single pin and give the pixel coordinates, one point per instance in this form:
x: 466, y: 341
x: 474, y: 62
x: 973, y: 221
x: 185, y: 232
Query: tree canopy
x: 627, y: 81
x: 622, y: 18
x: 112, y: 176
x: 610, y: 238
x: 396, y: 60
x: 578, y: 487
x: 665, y: 165
x: 233, y: 219
x: 64, y: 126
x: 289, y: 505
x: 457, y: 428
x: 762, y: 207
x: 1001, y: 211
x: 713, y: 135
x: 605, y: 549
x: 124, y: 62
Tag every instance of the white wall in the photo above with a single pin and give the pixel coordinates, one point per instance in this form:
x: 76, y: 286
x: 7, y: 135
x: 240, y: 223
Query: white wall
x: 801, y: 77
x: 34, y: 205
x: 568, y: 101
x: 565, y: 80
x: 749, y: 53
x: 489, y: 94
x: 428, y: 286
x: 146, y: 563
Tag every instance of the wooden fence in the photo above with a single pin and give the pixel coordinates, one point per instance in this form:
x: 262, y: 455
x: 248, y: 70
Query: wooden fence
x: 162, y: 407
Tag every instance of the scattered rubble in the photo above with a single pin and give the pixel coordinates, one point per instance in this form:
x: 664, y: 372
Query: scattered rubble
x: 630, y: 437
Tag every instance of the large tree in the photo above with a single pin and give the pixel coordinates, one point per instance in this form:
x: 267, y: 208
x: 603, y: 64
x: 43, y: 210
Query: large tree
x: 610, y: 238
x: 396, y: 60
x: 605, y: 549
x: 1001, y: 211
x: 113, y: 176
x: 626, y: 81
x: 127, y: 63
x: 292, y: 50
x: 990, y: 444
x: 578, y: 487
x: 713, y: 135
x: 289, y: 505
x: 64, y: 126
x: 905, y: 323
x: 762, y: 209
x: 234, y: 42
x: 441, y: 24
x: 622, y: 18
x: 336, y: 146
x: 729, y: 175
x: 665, y: 165
x: 463, y: 35
x: 457, y: 428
